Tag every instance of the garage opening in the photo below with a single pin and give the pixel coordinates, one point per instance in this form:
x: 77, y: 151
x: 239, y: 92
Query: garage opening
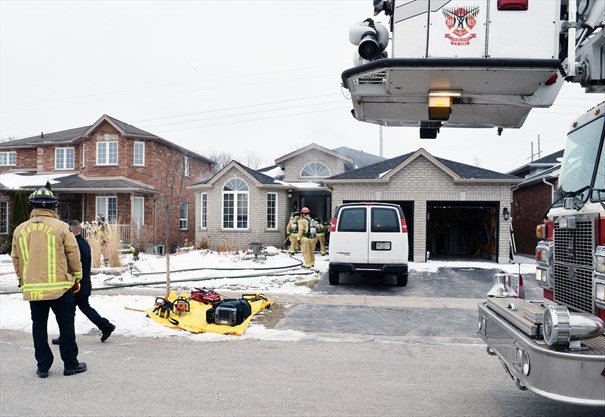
x: 462, y: 230
x: 408, y: 212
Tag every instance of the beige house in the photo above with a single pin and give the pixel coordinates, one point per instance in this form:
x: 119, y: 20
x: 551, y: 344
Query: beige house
x: 453, y: 210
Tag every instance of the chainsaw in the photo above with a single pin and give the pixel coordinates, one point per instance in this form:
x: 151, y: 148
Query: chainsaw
x: 205, y: 296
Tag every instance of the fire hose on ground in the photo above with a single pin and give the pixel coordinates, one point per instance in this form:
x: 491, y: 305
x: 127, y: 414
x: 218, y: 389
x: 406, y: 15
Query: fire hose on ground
x: 277, y: 269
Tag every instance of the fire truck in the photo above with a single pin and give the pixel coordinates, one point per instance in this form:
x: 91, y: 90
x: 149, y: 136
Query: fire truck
x: 487, y: 64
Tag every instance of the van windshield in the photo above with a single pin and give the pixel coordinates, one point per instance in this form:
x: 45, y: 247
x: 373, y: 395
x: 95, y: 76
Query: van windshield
x: 352, y: 220
x: 385, y: 220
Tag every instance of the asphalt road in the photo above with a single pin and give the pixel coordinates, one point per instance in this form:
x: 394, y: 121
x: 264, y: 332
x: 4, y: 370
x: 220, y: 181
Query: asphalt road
x: 370, y: 350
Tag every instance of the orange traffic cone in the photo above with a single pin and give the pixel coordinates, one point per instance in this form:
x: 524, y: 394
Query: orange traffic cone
x: 520, y: 290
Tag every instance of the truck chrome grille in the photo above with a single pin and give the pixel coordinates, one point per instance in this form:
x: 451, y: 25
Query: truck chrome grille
x: 573, y: 287
x: 573, y: 263
x: 575, y: 246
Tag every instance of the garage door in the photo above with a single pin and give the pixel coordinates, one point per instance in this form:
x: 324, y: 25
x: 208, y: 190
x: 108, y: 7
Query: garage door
x: 408, y: 212
x: 462, y: 230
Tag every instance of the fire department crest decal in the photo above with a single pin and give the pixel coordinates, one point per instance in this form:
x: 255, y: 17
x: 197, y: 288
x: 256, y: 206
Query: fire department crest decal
x: 460, y: 23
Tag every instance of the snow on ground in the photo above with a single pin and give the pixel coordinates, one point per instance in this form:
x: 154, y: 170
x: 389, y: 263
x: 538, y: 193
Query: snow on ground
x: 277, y: 274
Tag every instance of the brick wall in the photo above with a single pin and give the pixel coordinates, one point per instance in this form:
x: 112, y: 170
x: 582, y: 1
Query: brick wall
x: 294, y: 166
x: 422, y: 181
x: 529, y: 205
x: 26, y: 159
x: 162, y: 170
x: 257, y: 215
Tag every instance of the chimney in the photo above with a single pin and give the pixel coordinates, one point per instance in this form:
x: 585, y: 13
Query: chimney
x: 41, y: 134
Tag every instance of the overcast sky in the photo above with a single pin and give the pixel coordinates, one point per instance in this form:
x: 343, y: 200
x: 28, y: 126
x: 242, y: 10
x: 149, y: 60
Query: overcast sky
x: 222, y: 76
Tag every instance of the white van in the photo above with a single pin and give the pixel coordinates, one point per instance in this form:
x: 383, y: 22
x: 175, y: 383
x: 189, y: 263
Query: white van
x: 369, y: 237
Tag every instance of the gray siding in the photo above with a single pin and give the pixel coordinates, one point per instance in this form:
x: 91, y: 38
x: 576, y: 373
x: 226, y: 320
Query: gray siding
x: 422, y: 181
x: 257, y: 215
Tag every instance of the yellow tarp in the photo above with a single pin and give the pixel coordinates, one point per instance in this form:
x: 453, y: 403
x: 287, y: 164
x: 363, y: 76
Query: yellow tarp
x: 195, y: 320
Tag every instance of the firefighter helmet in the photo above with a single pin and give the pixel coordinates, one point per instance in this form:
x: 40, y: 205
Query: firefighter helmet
x: 43, y: 197
x: 305, y: 210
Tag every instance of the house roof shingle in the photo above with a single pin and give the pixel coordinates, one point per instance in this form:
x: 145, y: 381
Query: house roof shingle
x: 360, y: 158
x: 74, y: 182
x: 73, y: 135
x: 551, y: 159
x: 376, y: 171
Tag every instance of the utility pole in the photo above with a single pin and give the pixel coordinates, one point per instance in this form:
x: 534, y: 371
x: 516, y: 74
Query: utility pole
x: 539, y: 153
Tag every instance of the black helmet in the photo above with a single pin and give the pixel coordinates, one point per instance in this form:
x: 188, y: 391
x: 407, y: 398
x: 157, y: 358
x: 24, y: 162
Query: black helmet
x: 42, y: 197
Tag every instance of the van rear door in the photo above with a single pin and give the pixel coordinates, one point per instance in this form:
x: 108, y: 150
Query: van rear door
x: 352, y: 230
x: 387, y: 242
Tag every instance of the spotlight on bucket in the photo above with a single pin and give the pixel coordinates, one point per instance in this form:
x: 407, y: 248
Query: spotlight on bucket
x: 501, y: 287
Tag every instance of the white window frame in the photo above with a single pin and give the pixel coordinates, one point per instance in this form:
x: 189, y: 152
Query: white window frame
x: 65, y: 166
x: 107, y: 144
x: 185, y: 165
x: 184, y: 221
x: 105, y: 212
x: 274, y: 213
x: 4, y: 220
x: 204, y: 210
x: 139, y: 200
x: 134, y: 154
x: 236, y: 194
x: 314, y: 170
x: 8, y: 158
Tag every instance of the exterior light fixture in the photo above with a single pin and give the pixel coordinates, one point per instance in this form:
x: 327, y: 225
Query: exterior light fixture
x: 505, y: 213
x: 440, y: 103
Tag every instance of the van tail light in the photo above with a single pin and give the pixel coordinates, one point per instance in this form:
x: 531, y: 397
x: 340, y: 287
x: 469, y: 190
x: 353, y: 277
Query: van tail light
x: 549, y: 295
x: 333, y: 224
x: 404, y: 225
x: 602, y: 231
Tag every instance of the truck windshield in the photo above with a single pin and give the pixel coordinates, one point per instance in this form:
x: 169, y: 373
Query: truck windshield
x: 579, y: 161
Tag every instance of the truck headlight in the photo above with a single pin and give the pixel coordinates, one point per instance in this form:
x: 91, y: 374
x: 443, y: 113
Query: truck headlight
x: 544, y: 252
x: 599, y: 259
x: 599, y: 291
x: 539, y: 274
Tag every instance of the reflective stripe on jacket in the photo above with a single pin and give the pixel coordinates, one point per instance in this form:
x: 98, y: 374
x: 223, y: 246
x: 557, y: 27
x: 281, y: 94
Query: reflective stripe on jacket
x: 45, y: 256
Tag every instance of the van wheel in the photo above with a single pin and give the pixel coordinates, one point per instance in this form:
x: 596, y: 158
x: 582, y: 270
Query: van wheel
x: 333, y: 277
x: 402, y: 279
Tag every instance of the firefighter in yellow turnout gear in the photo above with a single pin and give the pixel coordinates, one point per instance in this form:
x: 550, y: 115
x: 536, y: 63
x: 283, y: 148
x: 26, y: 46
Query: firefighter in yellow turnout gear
x: 321, y: 237
x: 292, y: 231
x: 46, y: 258
x: 306, y: 236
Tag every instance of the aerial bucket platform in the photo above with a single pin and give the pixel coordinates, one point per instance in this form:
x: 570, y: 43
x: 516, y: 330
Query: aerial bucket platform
x: 460, y: 63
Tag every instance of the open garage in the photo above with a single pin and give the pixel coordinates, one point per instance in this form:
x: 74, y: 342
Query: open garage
x: 461, y: 230
x: 453, y: 210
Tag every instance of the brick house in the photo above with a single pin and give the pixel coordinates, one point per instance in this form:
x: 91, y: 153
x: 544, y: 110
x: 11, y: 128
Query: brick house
x: 532, y: 198
x: 453, y: 210
x: 109, y: 168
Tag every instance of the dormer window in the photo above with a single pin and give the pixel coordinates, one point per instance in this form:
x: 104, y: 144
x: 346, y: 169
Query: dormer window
x: 8, y: 158
x: 65, y: 158
x: 107, y: 153
x: 315, y: 170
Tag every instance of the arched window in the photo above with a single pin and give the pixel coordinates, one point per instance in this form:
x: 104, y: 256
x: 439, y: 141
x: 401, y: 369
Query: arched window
x: 315, y: 170
x: 235, y: 204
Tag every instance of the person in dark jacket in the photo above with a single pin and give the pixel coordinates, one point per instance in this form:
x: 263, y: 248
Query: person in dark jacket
x: 81, y: 298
